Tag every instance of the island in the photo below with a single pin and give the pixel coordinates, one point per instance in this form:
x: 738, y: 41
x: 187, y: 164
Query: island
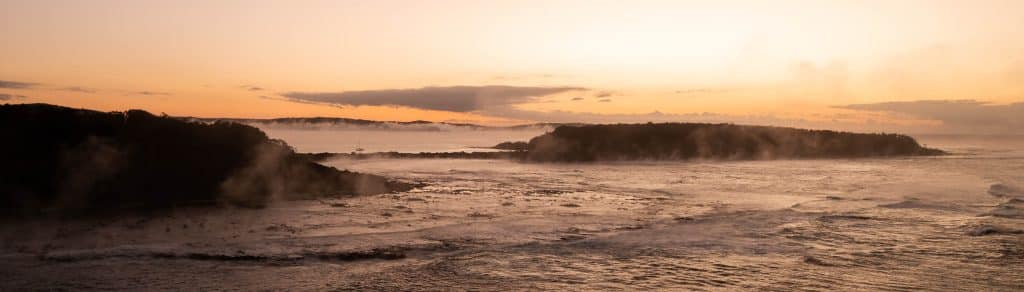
x: 690, y: 141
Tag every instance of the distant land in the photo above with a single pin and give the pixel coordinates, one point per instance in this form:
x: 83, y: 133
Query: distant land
x: 514, y: 146
x: 329, y: 123
x: 68, y: 160
x: 682, y: 141
x: 687, y: 141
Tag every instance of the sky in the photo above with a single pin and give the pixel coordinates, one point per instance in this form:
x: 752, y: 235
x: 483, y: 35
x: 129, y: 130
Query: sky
x: 908, y: 66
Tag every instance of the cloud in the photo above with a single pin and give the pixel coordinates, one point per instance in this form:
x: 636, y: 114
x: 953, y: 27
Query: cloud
x: 79, y: 89
x: 251, y: 88
x: 151, y: 93
x: 16, y: 85
x: 560, y: 116
x: 6, y: 97
x: 603, y: 94
x: 605, y: 100
x: 452, y: 98
x: 962, y: 116
x: 578, y: 98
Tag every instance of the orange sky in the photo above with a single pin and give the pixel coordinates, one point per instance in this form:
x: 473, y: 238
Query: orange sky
x: 746, y: 61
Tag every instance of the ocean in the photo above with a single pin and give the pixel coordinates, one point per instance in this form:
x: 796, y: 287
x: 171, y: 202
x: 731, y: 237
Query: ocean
x: 936, y: 223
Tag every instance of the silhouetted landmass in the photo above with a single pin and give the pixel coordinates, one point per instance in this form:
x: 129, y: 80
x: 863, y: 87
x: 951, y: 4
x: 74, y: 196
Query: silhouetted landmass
x: 680, y: 141
x: 432, y: 155
x: 317, y: 157
x: 58, y: 158
x: 514, y: 146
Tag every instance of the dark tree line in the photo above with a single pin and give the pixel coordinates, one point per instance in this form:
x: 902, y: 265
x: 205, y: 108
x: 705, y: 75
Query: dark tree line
x: 514, y: 146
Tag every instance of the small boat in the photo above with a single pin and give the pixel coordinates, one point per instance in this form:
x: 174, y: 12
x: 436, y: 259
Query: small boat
x: 359, y: 147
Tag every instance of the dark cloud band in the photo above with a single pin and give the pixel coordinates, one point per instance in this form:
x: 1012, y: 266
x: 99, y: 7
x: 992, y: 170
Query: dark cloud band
x: 453, y: 98
x: 15, y: 84
x: 7, y: 97
x: 962, y: 115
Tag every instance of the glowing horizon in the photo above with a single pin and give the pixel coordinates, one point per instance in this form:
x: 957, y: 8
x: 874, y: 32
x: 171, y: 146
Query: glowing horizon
x: 862, y: 65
